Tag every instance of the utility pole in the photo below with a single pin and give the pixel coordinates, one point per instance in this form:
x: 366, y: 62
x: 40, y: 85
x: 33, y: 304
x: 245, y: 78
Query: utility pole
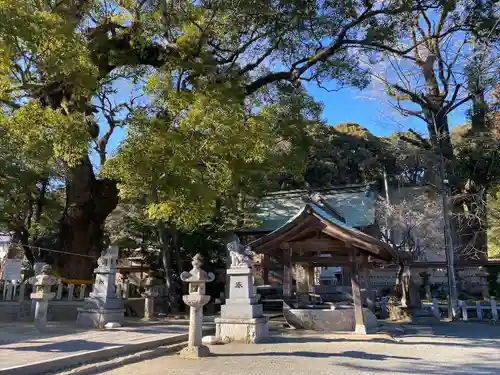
x: 388, y: 205
x: 450, y: 254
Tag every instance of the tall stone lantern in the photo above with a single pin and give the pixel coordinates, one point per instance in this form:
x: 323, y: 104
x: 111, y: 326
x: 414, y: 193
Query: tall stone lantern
x: 196, y: 299
x: 42, y: 294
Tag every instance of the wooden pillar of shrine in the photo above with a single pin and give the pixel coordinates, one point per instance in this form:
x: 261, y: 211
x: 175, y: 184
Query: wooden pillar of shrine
x: 360, y: 327
x: 370, y: 297
x: 265, y: 262
x: 287, y: 272
x: 310, y: 278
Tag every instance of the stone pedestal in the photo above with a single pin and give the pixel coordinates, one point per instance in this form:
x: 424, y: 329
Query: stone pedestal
x: 241, y: 317
x: 42, y: 295
x: 103, y: 305
x: 196, y: 299
x: 42, y: 306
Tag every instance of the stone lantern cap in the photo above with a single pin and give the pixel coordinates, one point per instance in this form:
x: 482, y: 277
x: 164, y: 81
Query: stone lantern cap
x: 197, y: 275
x: 44, y: 278
x: 197, y: 278
x: 148, y: 285
x: 42, y: 283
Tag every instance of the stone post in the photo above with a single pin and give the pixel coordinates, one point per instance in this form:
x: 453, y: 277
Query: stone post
x: 103, y: 306
x: 125, y: 286
x: 426, y: 281
x: 22, y: 288
x: 42, y: 295
x: 149, y: 296
x: 479, y: 310
x: 483, y: 283
x: 241, y: 318
x: 369, y: 294
x: 10, y: 291
x: 494, y: 311
x: 196, y: 299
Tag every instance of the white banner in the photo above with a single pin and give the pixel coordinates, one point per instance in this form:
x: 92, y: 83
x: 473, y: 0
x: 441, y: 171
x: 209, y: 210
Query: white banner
x: 11, y: 270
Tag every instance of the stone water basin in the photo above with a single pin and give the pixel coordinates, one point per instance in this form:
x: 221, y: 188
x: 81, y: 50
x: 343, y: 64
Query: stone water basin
x: 321, y: 318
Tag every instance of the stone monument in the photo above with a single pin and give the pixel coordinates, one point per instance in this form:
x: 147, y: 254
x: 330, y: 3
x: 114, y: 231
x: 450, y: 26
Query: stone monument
x: 42, y: 295
x: 103, y: 305
x: 196, y: 299
x: 241, y: 317
x: 149, y: 296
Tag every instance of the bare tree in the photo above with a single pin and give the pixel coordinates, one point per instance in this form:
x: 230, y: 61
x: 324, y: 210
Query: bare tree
x: 413, y: 226
x: 430, y: 82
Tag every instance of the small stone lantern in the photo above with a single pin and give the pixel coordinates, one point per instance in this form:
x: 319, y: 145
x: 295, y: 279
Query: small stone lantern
x: 42, y: 294
x: 196, y: 299
x: 149, y: 296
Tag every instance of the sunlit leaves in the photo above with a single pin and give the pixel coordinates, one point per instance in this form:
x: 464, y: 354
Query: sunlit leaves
x: 37, y: 42
x: 43, y: 134
x: 207, y: 146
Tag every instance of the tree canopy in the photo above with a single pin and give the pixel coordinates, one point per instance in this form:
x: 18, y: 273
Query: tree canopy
x: 218, y: 115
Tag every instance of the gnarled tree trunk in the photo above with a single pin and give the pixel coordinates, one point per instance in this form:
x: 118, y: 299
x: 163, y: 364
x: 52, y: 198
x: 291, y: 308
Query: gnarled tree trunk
x: 88, y: 203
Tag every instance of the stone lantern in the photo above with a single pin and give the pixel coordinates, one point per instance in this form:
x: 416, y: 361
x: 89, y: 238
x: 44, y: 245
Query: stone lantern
x: 149, y: 296
x: 42, y: 294
x: 196, y: 299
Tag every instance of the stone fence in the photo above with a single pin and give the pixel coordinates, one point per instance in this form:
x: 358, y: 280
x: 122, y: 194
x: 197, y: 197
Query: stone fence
x: 15, y: 300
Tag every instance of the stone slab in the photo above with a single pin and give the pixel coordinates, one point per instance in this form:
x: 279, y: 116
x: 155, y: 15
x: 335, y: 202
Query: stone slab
x: 68, y: 346
x: 99, y: 318
x: 240, y: 271
x: 242, y: 311
x: 249, y: 331
x: 341, y: 320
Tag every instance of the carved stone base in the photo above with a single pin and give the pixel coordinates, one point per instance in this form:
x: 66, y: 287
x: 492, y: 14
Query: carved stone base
x: 249, y: 331
x: 232, y: 310
x: 193, y: 352
x: 99, y: 318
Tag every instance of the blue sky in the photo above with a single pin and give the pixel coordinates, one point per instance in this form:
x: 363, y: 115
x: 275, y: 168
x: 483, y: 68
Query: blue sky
x: 365, y: 107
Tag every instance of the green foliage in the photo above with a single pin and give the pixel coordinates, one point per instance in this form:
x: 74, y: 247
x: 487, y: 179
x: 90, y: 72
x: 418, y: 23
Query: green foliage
x: 203, y: 147
x: 42, y: 135
x: 494, y: 224
x: 346, y: 154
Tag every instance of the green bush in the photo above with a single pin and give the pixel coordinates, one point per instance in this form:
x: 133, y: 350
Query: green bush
x: 493, y: 285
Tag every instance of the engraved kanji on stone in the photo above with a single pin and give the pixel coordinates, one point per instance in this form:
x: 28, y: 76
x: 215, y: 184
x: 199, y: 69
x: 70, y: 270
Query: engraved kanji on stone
x: 238, y: 285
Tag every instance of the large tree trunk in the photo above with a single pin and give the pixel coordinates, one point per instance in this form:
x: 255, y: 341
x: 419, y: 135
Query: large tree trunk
x: 88, y: 203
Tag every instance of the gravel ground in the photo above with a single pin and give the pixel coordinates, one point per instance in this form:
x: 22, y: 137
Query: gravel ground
x: 462, y: 349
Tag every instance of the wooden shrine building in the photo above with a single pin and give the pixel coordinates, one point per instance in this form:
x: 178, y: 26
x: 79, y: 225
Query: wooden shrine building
x: 315, y: 238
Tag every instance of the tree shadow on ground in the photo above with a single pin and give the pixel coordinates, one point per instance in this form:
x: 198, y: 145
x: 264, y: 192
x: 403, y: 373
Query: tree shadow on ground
x: 306, y: 354
x: 155, y: 330
x: 69, y: 346
x: 295, y: 339
x: 429, y: 368
x: 469, y: 334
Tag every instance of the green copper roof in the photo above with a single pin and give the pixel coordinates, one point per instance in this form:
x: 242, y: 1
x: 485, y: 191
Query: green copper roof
x: 355, y: 203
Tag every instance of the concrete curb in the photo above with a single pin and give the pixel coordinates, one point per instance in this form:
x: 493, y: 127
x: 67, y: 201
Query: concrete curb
x: 63, y: 363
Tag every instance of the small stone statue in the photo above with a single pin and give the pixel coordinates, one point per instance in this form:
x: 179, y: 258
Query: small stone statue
x: 240, y: 256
